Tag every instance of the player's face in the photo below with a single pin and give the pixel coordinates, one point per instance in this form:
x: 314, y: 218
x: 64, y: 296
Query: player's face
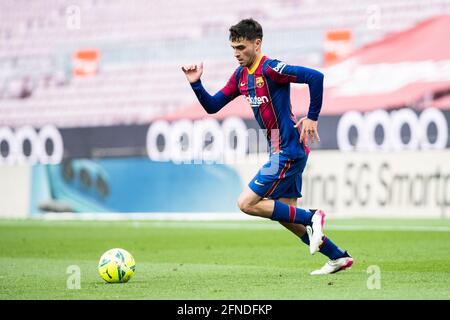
x: 246, y: 51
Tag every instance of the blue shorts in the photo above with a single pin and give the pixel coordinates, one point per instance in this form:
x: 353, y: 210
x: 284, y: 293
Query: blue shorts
x: 280, y: 177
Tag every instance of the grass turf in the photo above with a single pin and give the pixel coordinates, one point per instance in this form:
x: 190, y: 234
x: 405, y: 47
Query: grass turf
x: 223, y: 260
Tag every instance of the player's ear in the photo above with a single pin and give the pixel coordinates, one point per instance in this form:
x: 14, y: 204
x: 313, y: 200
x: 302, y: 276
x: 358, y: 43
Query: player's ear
x: 258, y: 43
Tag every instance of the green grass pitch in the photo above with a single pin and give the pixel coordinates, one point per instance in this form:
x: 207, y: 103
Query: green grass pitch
x: 223, y: 260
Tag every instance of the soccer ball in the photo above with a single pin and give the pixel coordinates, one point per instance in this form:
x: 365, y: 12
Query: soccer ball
x: 116, y: 266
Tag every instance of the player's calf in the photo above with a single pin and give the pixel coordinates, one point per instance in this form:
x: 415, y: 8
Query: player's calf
x: 256, y: 207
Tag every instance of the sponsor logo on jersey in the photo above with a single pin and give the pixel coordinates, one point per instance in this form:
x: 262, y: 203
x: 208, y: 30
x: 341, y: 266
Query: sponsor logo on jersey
x: 280, y: 66
x: 259, y: 82
x: 255, y: 102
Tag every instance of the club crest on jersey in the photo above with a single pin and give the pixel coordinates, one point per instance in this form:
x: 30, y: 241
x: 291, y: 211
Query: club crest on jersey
x: 259, y: 82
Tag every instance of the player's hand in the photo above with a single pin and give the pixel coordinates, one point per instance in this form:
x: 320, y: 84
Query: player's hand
x: 308, y: 130
x: 193, y: 72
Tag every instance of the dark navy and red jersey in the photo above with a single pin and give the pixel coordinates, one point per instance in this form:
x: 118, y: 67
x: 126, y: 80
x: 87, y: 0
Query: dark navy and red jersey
x: 267, y: 89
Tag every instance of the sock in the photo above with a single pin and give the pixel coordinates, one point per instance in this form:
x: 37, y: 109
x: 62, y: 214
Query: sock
x: 285, y: 213
x: 327, y: 248
x: 305, y: 239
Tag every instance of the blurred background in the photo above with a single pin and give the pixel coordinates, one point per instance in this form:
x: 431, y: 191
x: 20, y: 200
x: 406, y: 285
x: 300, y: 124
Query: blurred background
x: 96, y: 116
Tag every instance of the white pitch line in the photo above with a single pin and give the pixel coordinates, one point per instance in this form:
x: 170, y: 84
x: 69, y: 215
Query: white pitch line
x: 212, y: 222
x: 237, y: 226
x: 389, y: 228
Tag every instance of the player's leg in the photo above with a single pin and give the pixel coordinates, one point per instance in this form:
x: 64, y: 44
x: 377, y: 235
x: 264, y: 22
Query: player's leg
x: 271, y: 179
x: 254, y: 200
x: 327, y: 248
x: 286, y: 180
x: 287, y: 191
x: 253, y: 204
x: 338, y: 258
x: 298, y: 229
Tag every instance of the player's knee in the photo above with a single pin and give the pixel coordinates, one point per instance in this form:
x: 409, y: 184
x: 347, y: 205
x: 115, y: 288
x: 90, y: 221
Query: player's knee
x: 245, y: 206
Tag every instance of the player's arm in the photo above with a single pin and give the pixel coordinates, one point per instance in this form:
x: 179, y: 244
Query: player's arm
x: 211, y: 104
x: 282, y: 73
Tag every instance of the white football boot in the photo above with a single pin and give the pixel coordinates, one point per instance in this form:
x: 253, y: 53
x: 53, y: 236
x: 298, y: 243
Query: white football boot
x: 333, y: 266
x: 315, y: 231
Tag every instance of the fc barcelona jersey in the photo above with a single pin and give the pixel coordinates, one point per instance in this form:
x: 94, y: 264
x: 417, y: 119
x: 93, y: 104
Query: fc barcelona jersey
x: 266, y: 86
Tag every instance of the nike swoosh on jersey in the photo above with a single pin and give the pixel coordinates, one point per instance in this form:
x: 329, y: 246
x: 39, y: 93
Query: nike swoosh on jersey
x: 258, y: 183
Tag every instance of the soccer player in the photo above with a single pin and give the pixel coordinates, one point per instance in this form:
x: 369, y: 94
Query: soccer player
x: 274, y: 190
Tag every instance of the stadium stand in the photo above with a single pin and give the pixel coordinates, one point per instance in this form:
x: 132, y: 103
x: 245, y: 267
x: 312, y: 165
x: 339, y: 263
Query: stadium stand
x: 138, y: 76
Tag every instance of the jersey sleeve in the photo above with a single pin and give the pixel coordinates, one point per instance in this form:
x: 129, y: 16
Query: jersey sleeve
x: 282, y: 73
x: 213, y: 104
x: 231, y: 89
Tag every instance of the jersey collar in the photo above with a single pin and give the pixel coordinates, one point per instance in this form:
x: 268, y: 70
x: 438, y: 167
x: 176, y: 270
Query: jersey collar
x: 255, y: 65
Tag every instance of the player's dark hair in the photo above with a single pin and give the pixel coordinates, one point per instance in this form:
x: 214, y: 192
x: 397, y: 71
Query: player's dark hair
x: 246, y: 29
